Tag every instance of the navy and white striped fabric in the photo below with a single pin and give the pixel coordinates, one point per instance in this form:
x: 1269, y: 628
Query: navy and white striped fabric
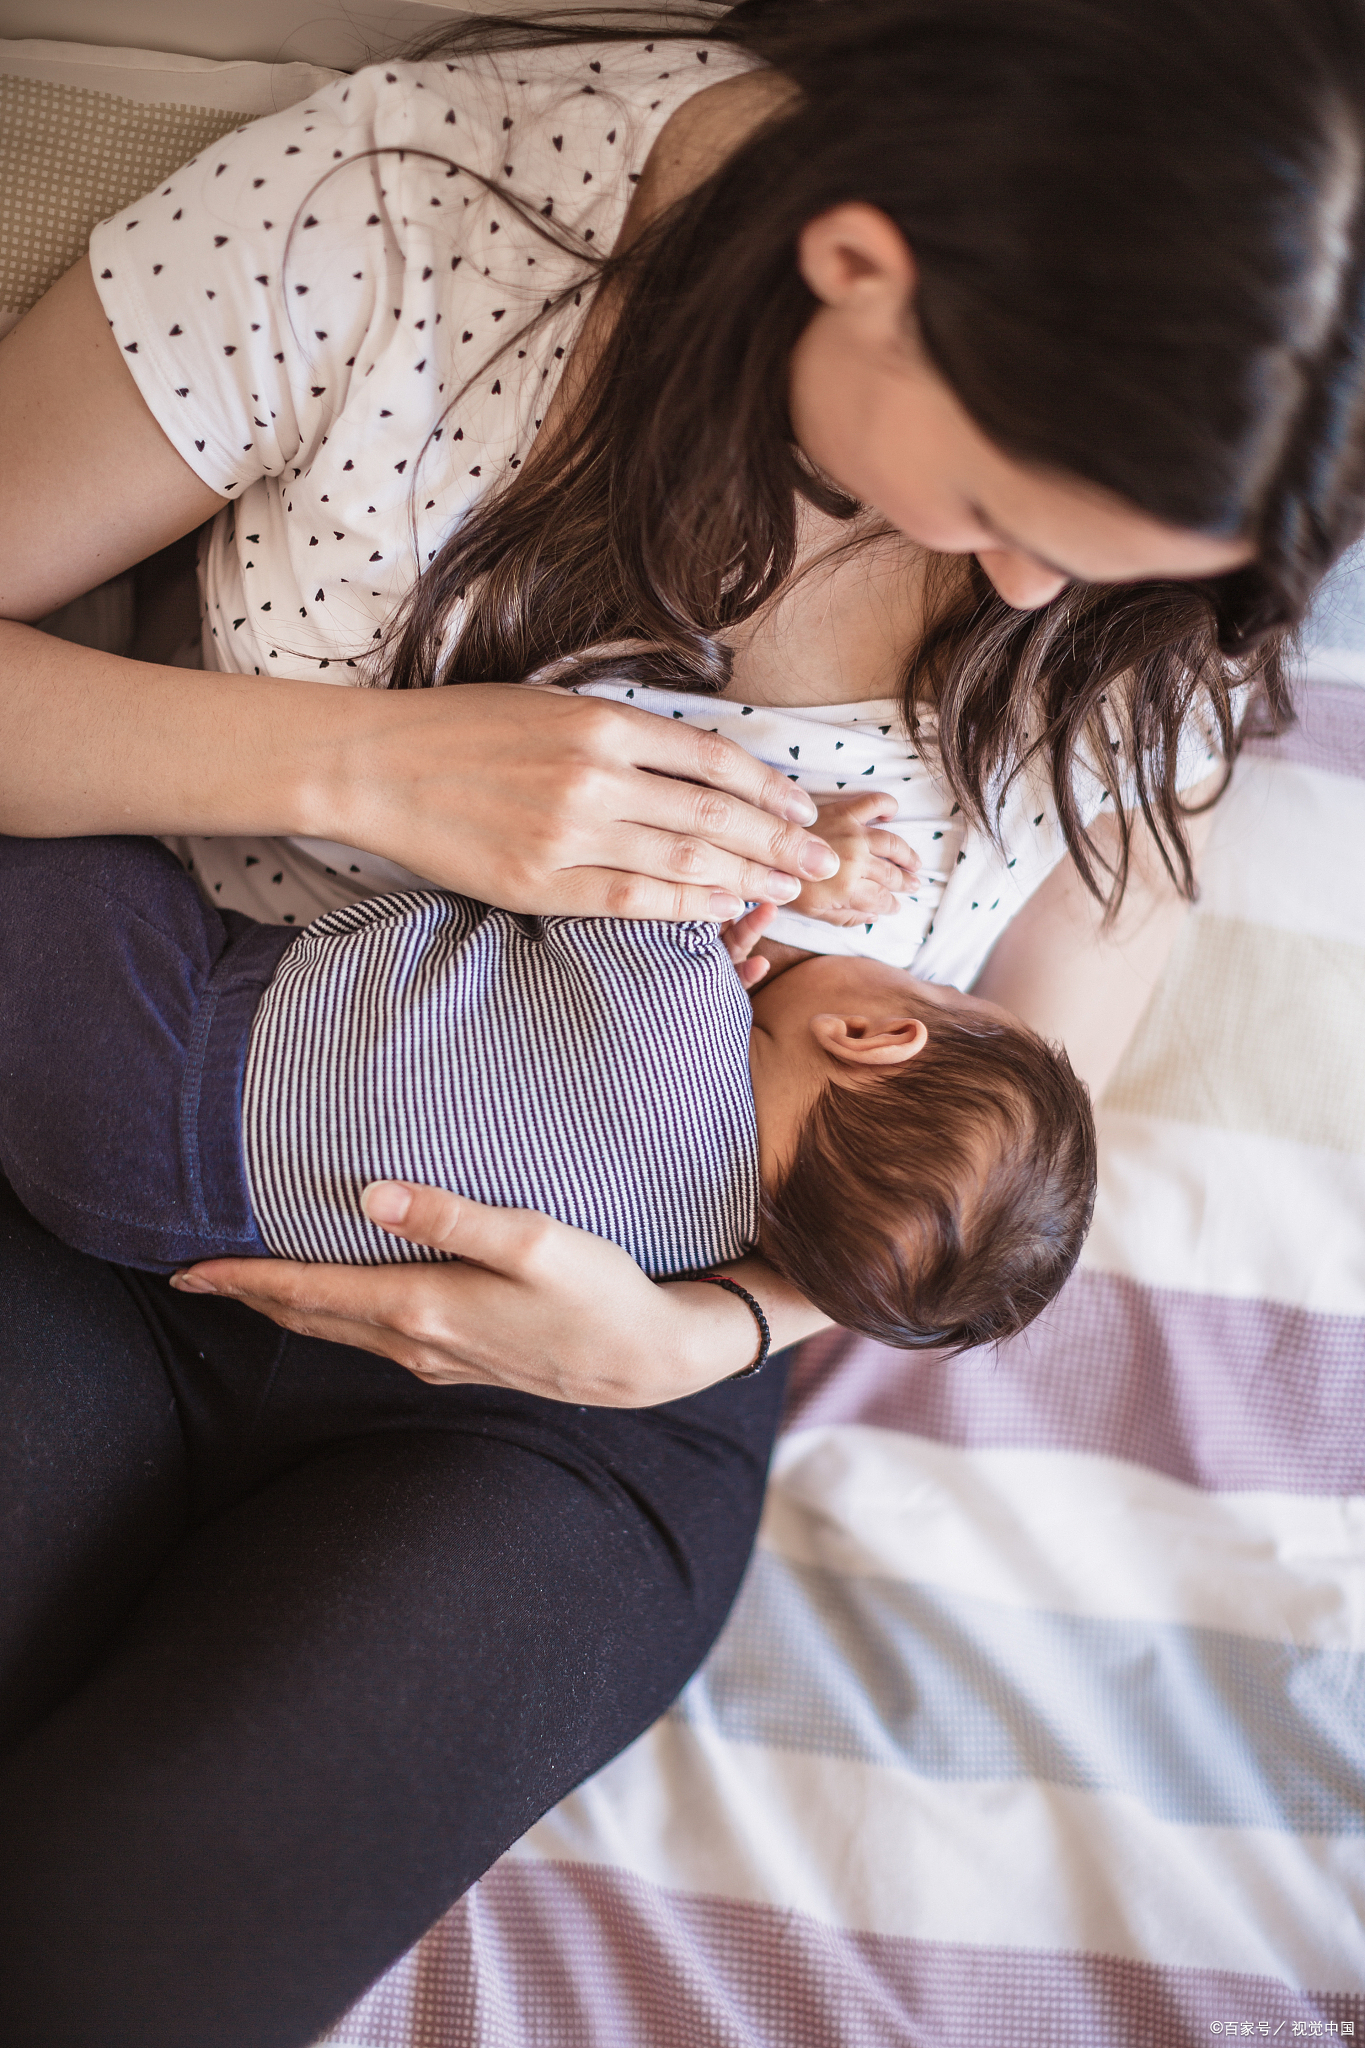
x: 591, y: 1068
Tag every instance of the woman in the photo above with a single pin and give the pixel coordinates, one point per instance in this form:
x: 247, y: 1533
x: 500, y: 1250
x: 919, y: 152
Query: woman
x: 1058, y: 302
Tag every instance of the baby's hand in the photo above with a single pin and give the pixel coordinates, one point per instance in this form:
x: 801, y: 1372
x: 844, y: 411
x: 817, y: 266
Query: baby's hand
x: 874, y: 866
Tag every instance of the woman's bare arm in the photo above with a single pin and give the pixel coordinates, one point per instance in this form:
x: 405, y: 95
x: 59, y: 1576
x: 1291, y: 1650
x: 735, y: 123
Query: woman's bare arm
x: 89, y: 485
x: 1058, y: 968
x: 538, y: 805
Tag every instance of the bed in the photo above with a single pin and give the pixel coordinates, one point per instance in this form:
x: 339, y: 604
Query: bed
x: 1040, y: 1717
x: 1041, y: 1714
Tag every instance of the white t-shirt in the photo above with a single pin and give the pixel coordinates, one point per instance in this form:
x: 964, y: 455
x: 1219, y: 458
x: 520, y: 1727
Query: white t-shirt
x: 299, y: 342
x: 837, y: 750
x: 298, y: 312
x: 969, y: 886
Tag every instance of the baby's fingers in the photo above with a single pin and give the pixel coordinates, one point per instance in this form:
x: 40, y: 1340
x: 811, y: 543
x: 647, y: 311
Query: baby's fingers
x: 868, y: 898
x: 888, y: 874
x: 740, y: 938
x: 888, y: 846
x: 870, y: 804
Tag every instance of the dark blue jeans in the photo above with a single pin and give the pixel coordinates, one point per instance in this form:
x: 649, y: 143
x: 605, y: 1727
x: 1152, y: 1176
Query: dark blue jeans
x: 125, y: 1011
x: 292, y: 1645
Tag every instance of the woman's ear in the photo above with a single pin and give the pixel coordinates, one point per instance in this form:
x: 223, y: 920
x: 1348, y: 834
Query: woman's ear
x: 855, y: 255
x: 860, y: 1042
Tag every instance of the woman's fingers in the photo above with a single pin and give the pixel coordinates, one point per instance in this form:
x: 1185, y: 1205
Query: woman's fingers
x: 703, y: 795
x: 362, y: 1306
x: 515, y: 1242
x: 606, y: 863
x: 540, y: 800
x: 685, y: 753
x: 688, y: 835
x: 526, y: 1302
x: 509, y: 1241
x: 627, y: 892
x: 406, y: 1313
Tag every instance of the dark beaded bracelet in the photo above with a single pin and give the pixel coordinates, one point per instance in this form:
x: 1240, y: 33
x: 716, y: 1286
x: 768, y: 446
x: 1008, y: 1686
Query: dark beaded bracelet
x: 764, y: 1333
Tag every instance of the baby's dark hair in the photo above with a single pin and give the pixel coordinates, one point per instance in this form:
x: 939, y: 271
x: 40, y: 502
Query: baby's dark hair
x: 942, y: 1202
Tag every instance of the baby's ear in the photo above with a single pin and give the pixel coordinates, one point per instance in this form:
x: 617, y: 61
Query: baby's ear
x: 867, y: 1042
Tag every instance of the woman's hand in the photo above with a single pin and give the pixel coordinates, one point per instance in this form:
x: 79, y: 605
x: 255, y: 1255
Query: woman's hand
x: 532, y: 1305
x: 534, y: 800
x: 541, y: 801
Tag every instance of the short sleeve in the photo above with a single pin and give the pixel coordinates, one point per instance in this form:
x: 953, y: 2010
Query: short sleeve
x: 245, y: 290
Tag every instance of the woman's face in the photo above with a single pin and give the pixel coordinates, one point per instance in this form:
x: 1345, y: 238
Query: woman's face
x: 870, y: 410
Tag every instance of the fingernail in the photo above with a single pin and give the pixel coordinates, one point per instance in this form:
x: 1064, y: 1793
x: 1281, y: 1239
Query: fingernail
x: 800, y: 808
x: 818, y: 861
x: 780, y: 888
x: 190, y: 1283
x: 386, y: 1201
x: 726, y: 907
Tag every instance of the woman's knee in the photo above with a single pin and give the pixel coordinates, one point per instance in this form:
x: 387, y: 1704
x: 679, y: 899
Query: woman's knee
x: 92, y: 1464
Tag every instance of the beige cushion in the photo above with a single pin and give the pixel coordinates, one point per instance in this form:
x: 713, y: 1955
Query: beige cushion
x: 85, y: 130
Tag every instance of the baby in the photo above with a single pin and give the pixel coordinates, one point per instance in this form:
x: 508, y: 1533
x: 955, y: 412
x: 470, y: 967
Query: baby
x: 181, y: 1083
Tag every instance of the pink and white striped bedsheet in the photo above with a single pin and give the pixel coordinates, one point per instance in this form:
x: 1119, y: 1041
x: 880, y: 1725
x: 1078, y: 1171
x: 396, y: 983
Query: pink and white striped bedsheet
x: 1041, y: 1715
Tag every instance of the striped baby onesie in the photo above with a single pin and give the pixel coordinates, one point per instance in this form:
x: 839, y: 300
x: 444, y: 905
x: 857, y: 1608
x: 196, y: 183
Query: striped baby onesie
x: 591, y: 1068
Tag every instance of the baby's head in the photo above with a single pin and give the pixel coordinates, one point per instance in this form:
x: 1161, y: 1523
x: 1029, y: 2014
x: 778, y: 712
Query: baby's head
x: 928, y: 1163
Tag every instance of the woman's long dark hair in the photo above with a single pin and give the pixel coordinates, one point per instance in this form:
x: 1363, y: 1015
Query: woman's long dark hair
x: 1138, y: 232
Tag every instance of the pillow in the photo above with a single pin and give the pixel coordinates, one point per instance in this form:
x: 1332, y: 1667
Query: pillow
x: 1334, y: 632
x: 84, y: 130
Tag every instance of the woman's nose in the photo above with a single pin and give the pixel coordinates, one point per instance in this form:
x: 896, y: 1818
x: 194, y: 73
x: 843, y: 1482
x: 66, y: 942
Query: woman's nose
x: 1020, y: 580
